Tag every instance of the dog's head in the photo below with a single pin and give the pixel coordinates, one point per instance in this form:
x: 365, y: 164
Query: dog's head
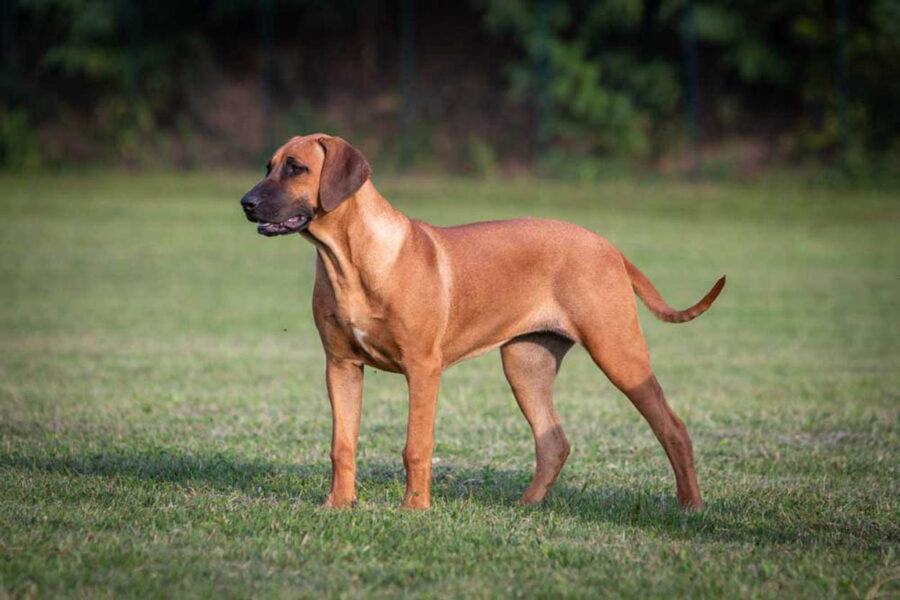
x: 306, y: 178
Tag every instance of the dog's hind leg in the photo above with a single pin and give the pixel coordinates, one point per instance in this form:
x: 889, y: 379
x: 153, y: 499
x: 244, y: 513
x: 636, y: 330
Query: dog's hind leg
x: 649, y: 399
x: 614, y: 340
x: 530, y: 363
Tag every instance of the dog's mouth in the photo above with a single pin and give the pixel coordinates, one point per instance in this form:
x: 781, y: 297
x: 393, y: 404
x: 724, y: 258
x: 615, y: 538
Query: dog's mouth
x: 292, y: 225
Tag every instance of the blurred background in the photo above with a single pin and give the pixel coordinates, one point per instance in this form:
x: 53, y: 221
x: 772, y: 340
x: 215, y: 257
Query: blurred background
x: 562, y: 88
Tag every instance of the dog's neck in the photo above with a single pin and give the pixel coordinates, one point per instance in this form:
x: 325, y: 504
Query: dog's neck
x: 360, y: 240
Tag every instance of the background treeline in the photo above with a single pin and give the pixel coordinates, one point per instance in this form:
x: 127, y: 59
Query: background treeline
x: 571, y: 87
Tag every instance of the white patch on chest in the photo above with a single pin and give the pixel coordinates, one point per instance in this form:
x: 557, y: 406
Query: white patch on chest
x: 359, y: 334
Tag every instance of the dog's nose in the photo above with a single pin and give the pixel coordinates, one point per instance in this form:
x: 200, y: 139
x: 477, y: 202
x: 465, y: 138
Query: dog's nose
x: 249, y: 202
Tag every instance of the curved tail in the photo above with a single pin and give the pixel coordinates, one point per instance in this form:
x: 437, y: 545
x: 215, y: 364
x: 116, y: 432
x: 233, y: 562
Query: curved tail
x: 647, y: 292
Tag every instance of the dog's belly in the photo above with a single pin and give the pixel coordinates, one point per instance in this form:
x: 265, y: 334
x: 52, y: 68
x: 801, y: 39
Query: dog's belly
x: 507, y: 278
x: 484, y: 339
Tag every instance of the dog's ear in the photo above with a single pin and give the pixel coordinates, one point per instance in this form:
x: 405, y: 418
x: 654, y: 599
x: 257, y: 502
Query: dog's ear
x: 345, y: 171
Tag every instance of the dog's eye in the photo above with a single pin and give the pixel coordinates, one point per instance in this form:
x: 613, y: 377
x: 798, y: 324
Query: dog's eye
x: 295, y: 169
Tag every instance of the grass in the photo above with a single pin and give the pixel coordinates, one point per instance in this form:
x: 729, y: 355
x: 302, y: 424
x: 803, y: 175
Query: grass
x: 164, y: 426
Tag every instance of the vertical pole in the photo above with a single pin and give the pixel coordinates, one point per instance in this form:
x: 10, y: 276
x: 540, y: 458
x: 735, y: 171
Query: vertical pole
x: 133, y: 13
x: 692, y: 84
x: 267, y: 76
x: 408, y: 82
x: 128, y: 145
x: 841, y: 84
x: 9, y: 54
x: 368, y: 46
x: 542, y: 79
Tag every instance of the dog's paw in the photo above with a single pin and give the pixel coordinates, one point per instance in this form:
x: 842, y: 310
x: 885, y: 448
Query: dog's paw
x: 416, y: 502
x: 690, y: 504
x: 340, y: 503
x: 528, y: 500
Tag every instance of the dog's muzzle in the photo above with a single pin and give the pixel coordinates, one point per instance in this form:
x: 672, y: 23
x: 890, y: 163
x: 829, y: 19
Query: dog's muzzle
x: 251, y: 201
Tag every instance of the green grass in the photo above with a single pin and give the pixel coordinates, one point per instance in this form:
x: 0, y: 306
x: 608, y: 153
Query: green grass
x: 164, y: 426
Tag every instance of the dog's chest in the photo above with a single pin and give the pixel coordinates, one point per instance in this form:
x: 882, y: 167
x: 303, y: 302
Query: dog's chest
x: 368, y: 336
x: 357, y: 324
x: 373, y: 341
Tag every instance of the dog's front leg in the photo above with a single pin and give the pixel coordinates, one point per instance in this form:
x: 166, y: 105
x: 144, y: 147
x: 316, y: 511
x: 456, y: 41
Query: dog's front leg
x: 424, y: 381
x: 345, y: 383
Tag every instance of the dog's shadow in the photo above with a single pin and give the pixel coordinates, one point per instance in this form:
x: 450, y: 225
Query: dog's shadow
x: 731, y: 519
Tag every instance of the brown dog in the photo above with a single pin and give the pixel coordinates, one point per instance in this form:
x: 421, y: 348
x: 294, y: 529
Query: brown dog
x: 403, y: 296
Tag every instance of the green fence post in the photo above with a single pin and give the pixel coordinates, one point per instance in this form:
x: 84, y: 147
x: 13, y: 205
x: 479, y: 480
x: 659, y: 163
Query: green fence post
x: 9, y: 53
x: 408, y: 82
x: 692, y: 85
x: 841, y: 84
x: 267, y: 76
x: 542, y: 79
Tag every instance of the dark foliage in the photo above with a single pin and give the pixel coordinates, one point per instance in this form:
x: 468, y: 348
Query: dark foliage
x: 190, y: 82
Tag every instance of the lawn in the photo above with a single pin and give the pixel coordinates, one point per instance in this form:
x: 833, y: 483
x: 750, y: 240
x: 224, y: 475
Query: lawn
x: 164, y: 426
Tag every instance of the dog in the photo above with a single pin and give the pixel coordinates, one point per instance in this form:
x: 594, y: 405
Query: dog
x: 400, y: 295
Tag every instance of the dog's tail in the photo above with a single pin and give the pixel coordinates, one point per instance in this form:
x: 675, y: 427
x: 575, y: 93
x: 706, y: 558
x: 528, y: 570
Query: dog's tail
x: 647, y: 292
